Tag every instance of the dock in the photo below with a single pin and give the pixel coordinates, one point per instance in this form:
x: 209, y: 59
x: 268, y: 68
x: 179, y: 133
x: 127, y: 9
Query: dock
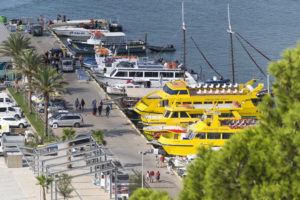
x: 124, y: 141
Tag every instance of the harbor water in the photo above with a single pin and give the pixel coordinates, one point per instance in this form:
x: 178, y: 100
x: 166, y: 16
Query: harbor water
x: 271, y: 26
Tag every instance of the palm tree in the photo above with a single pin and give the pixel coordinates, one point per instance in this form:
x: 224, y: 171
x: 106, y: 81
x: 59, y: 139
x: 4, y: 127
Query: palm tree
x: 68, y: 134
x: 44, y: 182
x: 64, y: 185
x: 31, y: 61
x: 98, y: 135
x: 13, y: 47
x: 47, y: 81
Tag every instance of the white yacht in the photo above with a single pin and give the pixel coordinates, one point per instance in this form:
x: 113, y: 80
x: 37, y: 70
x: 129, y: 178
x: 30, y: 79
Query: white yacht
x: 146, y: 70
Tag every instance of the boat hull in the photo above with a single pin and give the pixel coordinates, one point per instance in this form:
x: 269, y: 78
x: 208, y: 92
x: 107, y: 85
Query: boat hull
x: 122, y: 48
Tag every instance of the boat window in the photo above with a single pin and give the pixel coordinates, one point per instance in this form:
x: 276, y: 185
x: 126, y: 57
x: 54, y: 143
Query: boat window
x: 207, y: 102
x: 167, y: 74
x: 125, y: 64
x: 213, y: 136
x: 201, y: 135
x: 151, y: 74
x: 178, y: 75
x: 255, y: 101
x: 3, y: 109
x: 7, y: 99
x: 183, y: 92
x: 226, y: 135
x: 135, y: 74
x: 113, y: 72
x: 121, y: 74
x: 228, y: 115
x: 196, y: 116
x: 220, y: 102
x: 108, y: 64
x: 170, y: 91
x: 167, y: 114
x: 228, y: 102
x: 197, y: 102
x: 1, y: 99
x: 184, y: 115
x: 175, y: 115
x: 191, y: 134
x: 164, y: 103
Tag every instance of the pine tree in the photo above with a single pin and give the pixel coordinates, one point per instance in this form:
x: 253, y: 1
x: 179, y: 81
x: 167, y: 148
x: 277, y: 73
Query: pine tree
x: 261, y: 162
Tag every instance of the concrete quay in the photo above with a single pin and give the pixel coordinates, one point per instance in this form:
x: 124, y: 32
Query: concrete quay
x: 123, y: 141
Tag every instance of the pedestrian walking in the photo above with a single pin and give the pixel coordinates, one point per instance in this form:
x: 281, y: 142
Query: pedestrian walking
x: 157, y: 176
x: 82, y: 103
x: 94, y: 106
x: 107, y: 111
x: 148, y: 176
x: 151, y: 175
x: 76, y: 103
x: 161, y: 160
x: 100, y: 109
x: 157, y: 161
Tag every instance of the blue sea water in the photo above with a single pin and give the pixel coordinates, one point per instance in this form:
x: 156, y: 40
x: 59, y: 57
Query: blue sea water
x: 270, y: 25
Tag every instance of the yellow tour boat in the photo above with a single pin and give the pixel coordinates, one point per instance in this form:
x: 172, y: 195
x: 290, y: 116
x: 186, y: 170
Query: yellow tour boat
x: 184, y: 115
x: 210, y: 132
x: 178, y: 92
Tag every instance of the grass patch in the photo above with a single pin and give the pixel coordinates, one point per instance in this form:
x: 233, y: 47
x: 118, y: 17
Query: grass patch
x: 33, y: 118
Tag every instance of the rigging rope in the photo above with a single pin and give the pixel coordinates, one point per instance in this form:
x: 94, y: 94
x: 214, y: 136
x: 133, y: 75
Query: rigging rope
x: 251, y: 56
x: 253, y: 47
x: 206, y: 58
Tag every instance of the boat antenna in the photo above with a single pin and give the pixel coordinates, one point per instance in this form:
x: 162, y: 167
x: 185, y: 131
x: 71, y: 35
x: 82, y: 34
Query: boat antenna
x: 231, y: 43
x: 184, y: 42
x: 202, y: 54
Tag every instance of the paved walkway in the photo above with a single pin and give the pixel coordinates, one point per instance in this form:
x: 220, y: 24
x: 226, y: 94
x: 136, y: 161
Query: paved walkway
x: 123, y: 141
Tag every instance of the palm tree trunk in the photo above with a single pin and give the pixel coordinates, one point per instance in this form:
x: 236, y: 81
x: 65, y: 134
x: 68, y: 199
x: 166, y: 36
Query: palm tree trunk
x: 29, y: 95
x: 69, y: 158
x: 44, y: 193
x: 46, y: 114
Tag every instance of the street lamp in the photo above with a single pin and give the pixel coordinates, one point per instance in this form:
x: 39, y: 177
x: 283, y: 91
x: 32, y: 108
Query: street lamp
x: 144, y: 153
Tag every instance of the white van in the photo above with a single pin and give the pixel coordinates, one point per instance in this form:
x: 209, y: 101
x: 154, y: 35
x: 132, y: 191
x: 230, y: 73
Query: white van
x: 5, y: 98
x: 66, y: 64
x: 9, y: 111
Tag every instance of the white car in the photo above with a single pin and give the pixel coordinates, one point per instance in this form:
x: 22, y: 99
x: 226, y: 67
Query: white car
x: 15, y: 122
x: 58, y: 112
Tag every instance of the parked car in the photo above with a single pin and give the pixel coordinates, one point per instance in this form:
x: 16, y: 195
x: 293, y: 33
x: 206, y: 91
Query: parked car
x: 39, y: 97
x: 29, y: 135
x: 66, y: 64
x: 15, y: 122
x: 51, y: 107
x: 56, y: 113
x: 9, y: 111
x: 58, y: 101
x: 5, y: 98
x: 36, y: 30
x: 67, y: 119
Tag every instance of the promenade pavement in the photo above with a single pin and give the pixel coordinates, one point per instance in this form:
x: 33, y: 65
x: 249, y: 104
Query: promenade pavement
x: 123, y: 141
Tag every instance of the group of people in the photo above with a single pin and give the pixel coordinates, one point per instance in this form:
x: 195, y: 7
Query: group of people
x: 150, y: 176
x: 79, y: 105
x: 95, y: 108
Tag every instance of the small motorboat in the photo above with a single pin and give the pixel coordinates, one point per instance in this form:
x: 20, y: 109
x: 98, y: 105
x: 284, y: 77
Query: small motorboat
x: 168, y: 48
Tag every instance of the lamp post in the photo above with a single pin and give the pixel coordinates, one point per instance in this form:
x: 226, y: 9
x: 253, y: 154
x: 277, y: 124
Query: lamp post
x: 144, y: 153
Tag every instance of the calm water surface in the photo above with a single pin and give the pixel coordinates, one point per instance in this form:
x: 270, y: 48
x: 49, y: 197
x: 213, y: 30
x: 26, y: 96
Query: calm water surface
x: 271, y: 25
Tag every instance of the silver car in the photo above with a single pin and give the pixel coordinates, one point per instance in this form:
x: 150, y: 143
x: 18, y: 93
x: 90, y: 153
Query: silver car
x: 67, y: 119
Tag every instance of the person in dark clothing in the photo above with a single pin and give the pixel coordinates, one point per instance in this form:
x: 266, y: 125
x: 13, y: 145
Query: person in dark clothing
x: 76, y: 103
x: 107, y: 111
x: 82, y: 103
x: 100, y: 107
x: 94, y: 106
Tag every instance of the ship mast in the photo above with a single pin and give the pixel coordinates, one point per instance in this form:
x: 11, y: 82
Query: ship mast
x: 184, y: 42
x: 231, y: 44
